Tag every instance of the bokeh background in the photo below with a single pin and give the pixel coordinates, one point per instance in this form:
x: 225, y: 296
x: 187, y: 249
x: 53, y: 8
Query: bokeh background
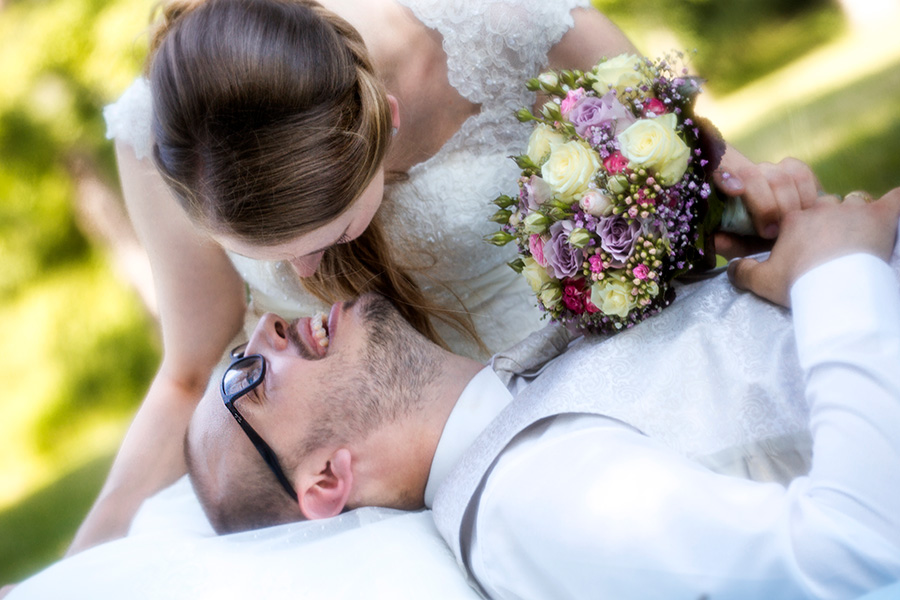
x: 815, y: 79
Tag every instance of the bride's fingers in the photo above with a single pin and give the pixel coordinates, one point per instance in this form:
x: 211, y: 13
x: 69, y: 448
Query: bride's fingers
x: 805, y: 181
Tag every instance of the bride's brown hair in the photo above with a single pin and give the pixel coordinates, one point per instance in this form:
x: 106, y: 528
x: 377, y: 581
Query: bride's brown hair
x: 269, y: 121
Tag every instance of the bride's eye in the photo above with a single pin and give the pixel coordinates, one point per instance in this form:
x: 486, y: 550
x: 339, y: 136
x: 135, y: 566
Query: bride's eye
x: 342, y: 240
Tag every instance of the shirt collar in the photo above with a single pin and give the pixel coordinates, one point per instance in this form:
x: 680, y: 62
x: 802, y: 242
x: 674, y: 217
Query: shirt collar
x: 480, y: 402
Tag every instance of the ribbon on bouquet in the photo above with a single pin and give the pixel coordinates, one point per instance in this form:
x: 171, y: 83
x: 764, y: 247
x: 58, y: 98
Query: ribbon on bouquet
x: 735, y: 218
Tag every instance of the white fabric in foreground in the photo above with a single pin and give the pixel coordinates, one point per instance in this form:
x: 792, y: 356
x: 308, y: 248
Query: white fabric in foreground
x: 172, y: 553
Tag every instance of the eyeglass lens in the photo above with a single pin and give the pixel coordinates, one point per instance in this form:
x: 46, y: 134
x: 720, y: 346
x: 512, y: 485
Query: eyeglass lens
x: 242, y: 375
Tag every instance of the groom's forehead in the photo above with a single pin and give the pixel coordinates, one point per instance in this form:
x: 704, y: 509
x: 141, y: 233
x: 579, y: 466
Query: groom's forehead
x: 212, y: 429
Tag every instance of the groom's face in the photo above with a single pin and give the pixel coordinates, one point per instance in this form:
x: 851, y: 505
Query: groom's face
x: 307, y: 383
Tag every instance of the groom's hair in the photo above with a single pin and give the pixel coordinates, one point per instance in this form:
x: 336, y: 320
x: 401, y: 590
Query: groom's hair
x: 257, y: 501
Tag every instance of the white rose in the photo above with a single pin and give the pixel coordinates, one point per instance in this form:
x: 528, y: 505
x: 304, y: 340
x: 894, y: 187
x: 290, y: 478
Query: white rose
x: 570, y: 169
x: 539, y: 143
x: 623, y: 71
x: 551, y: 295
x: 654, y: 144
x: 535, y: 274
x: 613, y: 297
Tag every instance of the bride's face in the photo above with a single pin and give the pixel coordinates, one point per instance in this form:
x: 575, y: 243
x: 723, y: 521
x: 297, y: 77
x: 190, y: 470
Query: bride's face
x: 305, y: 252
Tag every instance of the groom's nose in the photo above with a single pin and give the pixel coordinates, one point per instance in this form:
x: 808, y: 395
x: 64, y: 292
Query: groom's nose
x: 270, y: 335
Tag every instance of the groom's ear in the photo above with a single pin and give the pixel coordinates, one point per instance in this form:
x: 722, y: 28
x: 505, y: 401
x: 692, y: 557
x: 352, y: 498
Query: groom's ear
x: 323, y: 491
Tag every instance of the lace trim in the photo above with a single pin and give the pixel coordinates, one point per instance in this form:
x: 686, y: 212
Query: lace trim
x: 491, y: 49
x: 129, y: 118
x: 489, y: 46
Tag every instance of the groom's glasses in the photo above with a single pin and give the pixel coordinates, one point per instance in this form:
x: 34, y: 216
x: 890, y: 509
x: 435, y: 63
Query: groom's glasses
x: 240, y: 378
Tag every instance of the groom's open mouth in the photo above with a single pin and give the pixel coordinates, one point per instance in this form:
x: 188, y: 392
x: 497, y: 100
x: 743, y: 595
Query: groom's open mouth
x: 313, y: 334
x: 318, y: 326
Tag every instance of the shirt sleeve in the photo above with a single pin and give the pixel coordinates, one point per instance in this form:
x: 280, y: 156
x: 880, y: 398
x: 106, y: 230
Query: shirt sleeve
x: 584, y: 507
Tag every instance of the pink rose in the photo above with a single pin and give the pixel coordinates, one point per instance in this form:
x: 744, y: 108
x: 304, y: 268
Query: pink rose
x: 615, y: 163
x: 589, y: 306
x: 596, y: 203
x: 571, y: 100
x: 596, y: 263
x: 641, y: 271
x: 654, y: 107
x: 536, y: 245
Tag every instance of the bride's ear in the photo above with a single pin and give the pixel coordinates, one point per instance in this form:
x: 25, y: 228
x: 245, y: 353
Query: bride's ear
x: 323, y: 492
x: 395, y: 111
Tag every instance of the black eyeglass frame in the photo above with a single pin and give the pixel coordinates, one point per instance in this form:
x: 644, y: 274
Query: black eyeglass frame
x: 262, y: 447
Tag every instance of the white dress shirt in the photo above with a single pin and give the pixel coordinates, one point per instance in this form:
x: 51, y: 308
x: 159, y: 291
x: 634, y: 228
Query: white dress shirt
x: 582, y: 506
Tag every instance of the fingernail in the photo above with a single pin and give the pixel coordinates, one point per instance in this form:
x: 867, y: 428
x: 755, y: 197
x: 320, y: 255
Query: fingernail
x: 731, y: 183
x: 771, y: 231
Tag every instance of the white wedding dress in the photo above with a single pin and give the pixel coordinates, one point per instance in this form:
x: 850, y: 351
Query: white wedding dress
x: 436, y: 220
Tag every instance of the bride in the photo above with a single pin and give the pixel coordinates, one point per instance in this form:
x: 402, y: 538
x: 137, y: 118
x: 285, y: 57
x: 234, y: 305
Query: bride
x: 277, y: 127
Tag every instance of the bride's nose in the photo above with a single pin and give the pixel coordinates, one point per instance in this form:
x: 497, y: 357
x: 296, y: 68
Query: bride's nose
x: 305, y: 266
x: 270, y: 334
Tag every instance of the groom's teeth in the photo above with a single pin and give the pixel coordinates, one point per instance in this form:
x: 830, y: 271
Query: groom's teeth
x: 317, y: 324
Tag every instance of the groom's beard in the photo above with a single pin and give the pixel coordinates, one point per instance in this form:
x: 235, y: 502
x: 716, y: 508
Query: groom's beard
x: 400, y: 363
x: 384, y: 385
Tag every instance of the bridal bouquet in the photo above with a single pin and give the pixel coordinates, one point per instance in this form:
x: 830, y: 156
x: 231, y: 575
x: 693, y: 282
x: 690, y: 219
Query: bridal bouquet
x: 613, y: 199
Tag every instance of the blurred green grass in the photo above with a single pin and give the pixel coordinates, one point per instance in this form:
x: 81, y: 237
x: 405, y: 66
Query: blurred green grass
x: 78, y: 348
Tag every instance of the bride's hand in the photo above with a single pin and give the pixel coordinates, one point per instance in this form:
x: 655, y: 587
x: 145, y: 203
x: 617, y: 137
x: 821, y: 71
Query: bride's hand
x: 826, y: 231
x: 769, y: 191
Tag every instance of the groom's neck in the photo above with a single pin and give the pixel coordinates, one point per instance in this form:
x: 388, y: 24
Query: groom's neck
x: 405, y: 449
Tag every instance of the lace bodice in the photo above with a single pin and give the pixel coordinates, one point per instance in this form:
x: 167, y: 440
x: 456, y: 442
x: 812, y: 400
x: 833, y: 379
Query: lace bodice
x: 436, y: 219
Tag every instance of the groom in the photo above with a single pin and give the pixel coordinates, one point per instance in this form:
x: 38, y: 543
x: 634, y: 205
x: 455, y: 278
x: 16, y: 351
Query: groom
x: 618, y: 486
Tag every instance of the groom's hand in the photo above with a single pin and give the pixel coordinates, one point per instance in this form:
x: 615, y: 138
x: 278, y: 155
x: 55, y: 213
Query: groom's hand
x: 811, y: 237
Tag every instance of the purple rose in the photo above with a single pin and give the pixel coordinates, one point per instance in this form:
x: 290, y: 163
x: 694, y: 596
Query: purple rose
x: 534, y: 193
x: 617, y: 237
x: 591, y: 111
x: 563, y: 259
